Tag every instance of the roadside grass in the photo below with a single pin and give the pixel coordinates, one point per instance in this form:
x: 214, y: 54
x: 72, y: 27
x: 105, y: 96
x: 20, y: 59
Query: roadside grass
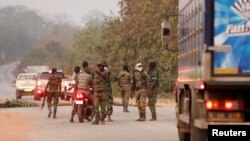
x: 17, y: 103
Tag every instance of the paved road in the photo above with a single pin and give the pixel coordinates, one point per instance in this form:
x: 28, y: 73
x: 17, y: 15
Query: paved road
x: 7, y: 91
x: 124, y: 127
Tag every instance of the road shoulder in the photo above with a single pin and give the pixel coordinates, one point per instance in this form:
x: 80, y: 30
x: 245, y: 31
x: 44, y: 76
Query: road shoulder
x: 14, y: 126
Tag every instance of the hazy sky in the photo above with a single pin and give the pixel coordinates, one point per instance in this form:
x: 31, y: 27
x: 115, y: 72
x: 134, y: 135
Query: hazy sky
x: 76, y: 9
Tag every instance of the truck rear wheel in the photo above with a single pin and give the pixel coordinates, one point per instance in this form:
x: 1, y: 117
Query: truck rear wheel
x: 197, y: 134
x: 183, y: 136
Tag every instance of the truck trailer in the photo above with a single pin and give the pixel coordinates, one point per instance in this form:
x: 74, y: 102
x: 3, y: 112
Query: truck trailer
x: 213, y: 85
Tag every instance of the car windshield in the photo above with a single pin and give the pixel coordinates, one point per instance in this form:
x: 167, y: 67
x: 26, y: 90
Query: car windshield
x: 27, y: 77
x: 44, y: 75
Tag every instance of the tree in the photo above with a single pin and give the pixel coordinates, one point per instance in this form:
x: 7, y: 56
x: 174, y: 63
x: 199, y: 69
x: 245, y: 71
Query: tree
x: 134, y: 37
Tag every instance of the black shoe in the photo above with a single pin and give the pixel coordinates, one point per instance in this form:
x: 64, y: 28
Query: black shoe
x: 49, y: 115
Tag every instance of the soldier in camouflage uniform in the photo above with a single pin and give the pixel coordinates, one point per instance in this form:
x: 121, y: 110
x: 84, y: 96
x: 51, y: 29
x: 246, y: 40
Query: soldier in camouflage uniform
x: 139, y: 82
x: 52, y: 90
x: 83, y: 82
x: 101, y: 92
x: 152, y: 87
x: 124, y: 82
x: 109, y: 107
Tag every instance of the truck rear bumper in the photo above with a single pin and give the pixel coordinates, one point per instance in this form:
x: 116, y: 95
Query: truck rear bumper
x: 203, y: 124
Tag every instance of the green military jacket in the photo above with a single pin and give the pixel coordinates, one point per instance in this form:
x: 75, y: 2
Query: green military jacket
x: 101, y: 81
x: 53, y: 83
x: 153, y: 75
x: 139, y: 80
x: 124, y: 79
x: 84, y: 81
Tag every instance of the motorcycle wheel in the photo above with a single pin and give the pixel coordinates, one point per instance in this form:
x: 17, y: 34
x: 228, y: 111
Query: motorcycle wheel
x: 80, y: 113
x: 90, y: 114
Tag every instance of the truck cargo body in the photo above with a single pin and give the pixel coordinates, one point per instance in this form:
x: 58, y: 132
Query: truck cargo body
x: 213, y: 86
x: 36, y: 69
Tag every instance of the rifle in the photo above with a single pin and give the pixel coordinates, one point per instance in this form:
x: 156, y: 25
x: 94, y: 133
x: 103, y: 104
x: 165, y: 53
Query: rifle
x: 103, y: 78
x: 45, y: 95
x: 107, y: 80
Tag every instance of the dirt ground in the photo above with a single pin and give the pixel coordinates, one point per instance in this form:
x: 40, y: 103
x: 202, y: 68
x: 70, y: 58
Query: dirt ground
x: 167, y: 103
x: 14, y: 127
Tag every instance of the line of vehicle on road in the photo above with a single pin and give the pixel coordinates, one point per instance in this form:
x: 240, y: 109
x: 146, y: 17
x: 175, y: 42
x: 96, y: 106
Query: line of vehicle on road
x: 33, y: 84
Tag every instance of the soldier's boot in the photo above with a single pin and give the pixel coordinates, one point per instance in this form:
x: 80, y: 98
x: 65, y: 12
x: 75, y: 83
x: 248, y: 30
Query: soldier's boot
x: 72, y: 118
x: 126, y: 109
x: 109, y: 118
x: 54, y: 114
x: 139, y: 119
x: 154, y: 117
x: 97, y: 119
x: 103, y: 119
x: 50, y: 112
x: 143, y: 117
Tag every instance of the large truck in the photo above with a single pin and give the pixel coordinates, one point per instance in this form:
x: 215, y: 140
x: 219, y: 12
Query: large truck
x: 213, y: 85
x: 36, y: 68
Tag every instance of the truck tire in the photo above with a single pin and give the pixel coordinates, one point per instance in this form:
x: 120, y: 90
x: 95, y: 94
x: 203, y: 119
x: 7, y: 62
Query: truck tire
x: 80, y: 112
x: 196, y: 133
x: 183, y: 136
x: 18, y: 94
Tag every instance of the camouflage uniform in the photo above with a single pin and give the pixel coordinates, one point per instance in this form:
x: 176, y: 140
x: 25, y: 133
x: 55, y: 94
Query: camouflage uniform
x: 153, y: 76
x: 139, y: 80
x: 54, y: 84
x: 109, y: 107
x: 100, y: 95
x: 84, y: 81
x: 124, y: 82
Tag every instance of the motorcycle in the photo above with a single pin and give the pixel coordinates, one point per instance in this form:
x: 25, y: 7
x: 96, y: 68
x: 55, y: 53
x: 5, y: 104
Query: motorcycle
x: 83, y: 105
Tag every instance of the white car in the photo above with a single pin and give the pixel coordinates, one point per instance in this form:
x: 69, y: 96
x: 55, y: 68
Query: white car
x: 25, y: 84
x: 68, y: 85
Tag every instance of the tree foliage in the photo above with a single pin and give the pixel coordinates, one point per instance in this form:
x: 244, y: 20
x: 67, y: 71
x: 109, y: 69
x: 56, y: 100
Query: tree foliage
x: 27, y: 36
x: 18, y: 31
x: 133, y: 37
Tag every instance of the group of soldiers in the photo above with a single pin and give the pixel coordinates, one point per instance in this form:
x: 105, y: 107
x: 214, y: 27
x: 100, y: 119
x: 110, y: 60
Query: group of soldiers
x: 142, y: 85
x: 138, y: 83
